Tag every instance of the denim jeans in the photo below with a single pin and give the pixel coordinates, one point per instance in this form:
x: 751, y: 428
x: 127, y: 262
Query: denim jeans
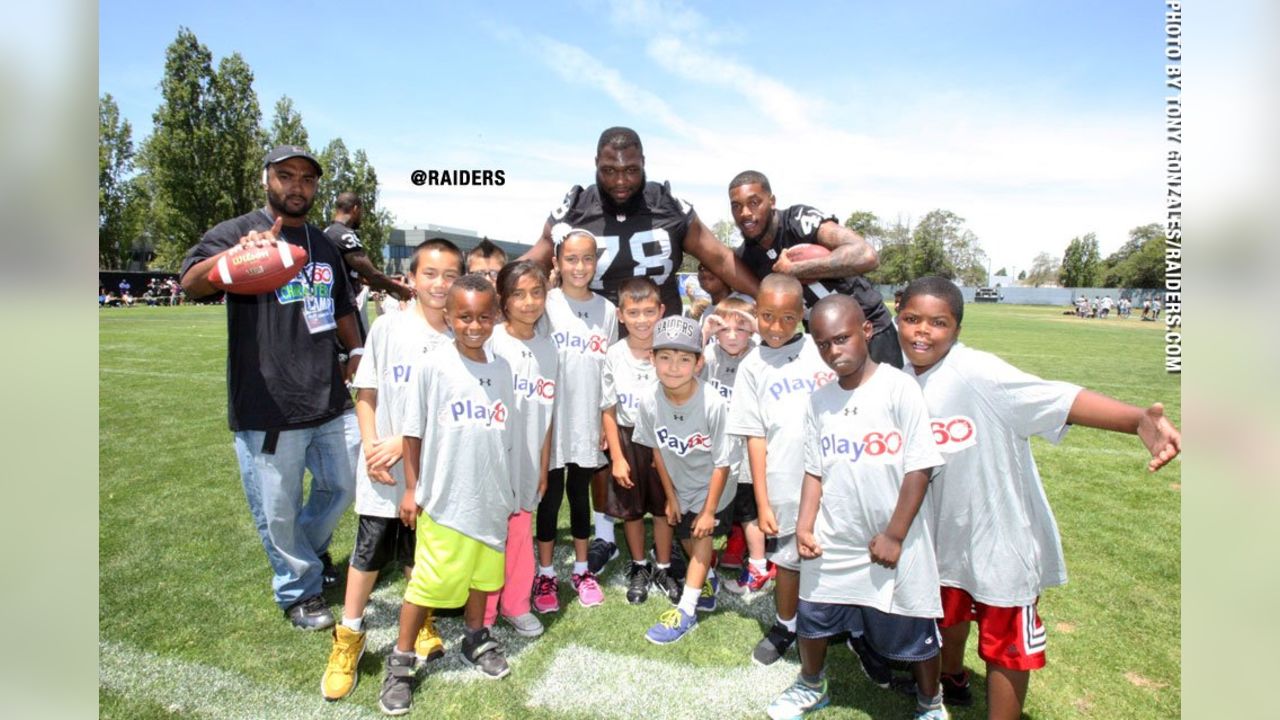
x: 294, y: 533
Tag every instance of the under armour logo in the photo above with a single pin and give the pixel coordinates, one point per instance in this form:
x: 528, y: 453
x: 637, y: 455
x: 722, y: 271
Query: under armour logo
x: 584, y: 315
x: 486, y: 381
x: 851, y: 411
x: 792, y: 358
x: 526, y: 354
x: 678, y: 417
x: 643, y: 377
x: 731, y: 370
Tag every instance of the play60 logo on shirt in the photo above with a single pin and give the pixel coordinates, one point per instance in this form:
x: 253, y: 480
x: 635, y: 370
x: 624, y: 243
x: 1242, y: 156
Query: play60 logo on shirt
x: 539, y: 389
x: 697, y: 442
x: 469, y: 412
x: 953, y: 434
x: 595, y: 344
x: 788, y: 385
x: 876, y: 446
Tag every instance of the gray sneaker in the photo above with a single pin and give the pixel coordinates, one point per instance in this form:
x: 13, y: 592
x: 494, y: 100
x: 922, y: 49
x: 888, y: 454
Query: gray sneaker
x: 484, y: 653
x: 526, y: 625
x: 397, y: 687
x: 310, y: 614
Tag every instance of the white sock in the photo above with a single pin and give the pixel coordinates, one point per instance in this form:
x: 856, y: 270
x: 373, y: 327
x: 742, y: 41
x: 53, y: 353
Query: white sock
x: 548, y: 571
x: 663, y: 566
x: 790, y: 625
x: 353, y: 624
x: 579, y: 567
x: 711, y: 574
x: 604, y: 528
x: 761, y: 565
x: 689, y: 599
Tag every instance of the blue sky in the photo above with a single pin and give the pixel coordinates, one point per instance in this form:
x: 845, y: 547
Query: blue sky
x: 1034, y: 121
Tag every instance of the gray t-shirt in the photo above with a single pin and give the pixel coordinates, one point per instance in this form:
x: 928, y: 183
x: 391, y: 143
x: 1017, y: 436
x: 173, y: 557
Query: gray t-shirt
x: 462, y: 411
x: 995, y: 535
x: 583, y: 333
x: 624, y: 380
x: 770, y: 400
x: 692, y: 441
x: 862, y: 443
x: 720, y: 371
x: 395, y: 345
x: 533, y: 377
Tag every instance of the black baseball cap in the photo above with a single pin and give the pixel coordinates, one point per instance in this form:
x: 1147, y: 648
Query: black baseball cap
x: 284, y: 152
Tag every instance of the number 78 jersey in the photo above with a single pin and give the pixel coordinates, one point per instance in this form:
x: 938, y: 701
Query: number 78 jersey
x: 644, y: 238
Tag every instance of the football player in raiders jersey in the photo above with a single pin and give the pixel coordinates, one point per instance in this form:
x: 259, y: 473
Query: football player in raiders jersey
x: 642, y: 228
x: 767, y: 233
x: 348, y: 211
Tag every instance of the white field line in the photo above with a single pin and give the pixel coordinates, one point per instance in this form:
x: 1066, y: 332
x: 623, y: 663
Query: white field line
x: 188, y: 687
x: 184, y: 377
x: 689, y: 692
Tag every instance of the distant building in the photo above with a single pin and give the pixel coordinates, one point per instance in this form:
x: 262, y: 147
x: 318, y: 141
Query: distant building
x: 399, y: 247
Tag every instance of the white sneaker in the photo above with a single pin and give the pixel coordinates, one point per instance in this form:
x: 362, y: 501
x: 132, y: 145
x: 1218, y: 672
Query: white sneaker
x: 527, y: 624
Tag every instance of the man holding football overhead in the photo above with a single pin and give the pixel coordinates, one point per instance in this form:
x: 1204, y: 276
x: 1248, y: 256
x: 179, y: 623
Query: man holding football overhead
x: 287, y: 404
x: 767, y: 233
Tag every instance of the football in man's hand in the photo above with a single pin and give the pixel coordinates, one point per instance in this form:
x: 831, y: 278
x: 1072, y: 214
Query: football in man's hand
x: 806, y: 251
x: 248, y: 270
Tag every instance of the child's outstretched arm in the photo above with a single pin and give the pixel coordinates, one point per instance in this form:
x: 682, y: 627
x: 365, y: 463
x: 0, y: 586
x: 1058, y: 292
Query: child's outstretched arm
x: 886, y: 546
x: 1096, y: 410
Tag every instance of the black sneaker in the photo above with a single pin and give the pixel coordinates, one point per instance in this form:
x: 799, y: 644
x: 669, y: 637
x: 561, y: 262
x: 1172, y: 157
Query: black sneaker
x: 875, y: 667
x: 638, y: 578
x: 482, y: 652
x: 667, y: 585
x: 310, y: 614
x: 955, y: 688
x: 679, y: 566
x: 599, y: 553
x: 329, y: 576
x: 773, y: 646
x: 397, y: 686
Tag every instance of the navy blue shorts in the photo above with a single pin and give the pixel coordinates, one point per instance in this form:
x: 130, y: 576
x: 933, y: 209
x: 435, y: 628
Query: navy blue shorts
x: 896, y: 637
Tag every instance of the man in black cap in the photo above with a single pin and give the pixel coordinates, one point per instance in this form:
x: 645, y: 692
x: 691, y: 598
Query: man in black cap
x: 287, y: 404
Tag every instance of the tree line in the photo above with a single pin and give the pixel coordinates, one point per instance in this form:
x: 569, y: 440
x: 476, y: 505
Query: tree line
x: 202, y: 163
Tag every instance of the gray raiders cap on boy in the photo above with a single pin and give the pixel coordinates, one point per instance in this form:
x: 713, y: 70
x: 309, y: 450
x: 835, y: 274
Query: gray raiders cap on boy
x: 677, y: 333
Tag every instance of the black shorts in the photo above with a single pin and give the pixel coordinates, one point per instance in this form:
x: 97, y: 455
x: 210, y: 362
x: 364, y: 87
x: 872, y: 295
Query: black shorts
x: 379, y: 541
x: 645, y: 496
x: 724, y: 518
x: 896, y: 637
x: 744, y: 504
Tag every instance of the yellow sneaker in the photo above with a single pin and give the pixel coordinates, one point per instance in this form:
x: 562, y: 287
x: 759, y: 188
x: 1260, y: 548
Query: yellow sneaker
x: 340, y: 676
x: 428, y: 646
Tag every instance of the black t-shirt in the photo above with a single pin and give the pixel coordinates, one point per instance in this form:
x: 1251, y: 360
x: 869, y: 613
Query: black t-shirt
x: 799, y: 224
x: 281, y: 375
x: 346, y: 240
x: 643, y: 237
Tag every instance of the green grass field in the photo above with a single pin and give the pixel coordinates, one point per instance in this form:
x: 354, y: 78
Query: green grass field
x: 188, y: 629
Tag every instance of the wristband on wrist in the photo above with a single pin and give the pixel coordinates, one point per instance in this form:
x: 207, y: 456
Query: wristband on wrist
x: 355, y: 352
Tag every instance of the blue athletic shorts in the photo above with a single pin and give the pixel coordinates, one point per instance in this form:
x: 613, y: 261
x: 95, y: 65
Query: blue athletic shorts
x: 896, y: 637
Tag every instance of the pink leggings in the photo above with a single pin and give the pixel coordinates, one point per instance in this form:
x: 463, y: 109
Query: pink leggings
x: 514, y: 595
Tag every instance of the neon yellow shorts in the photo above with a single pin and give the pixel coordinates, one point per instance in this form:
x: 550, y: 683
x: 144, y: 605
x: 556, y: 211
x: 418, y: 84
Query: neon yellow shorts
x: 447, y: 565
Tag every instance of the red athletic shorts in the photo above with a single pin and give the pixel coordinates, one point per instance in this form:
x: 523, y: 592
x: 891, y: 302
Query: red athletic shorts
x: 1010, y: 637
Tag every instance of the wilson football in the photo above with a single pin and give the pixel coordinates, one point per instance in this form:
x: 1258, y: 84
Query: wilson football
x: 806, y: 251
x: 253, y: 270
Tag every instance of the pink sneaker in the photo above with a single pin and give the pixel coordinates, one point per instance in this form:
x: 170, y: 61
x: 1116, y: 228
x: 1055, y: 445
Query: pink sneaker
x: 589, y: 592
x: 546, y: 594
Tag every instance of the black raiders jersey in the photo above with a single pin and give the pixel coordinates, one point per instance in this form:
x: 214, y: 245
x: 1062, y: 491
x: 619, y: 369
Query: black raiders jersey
x: 798, y: 224
x: 644, y: 237
x: 346, y: 240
